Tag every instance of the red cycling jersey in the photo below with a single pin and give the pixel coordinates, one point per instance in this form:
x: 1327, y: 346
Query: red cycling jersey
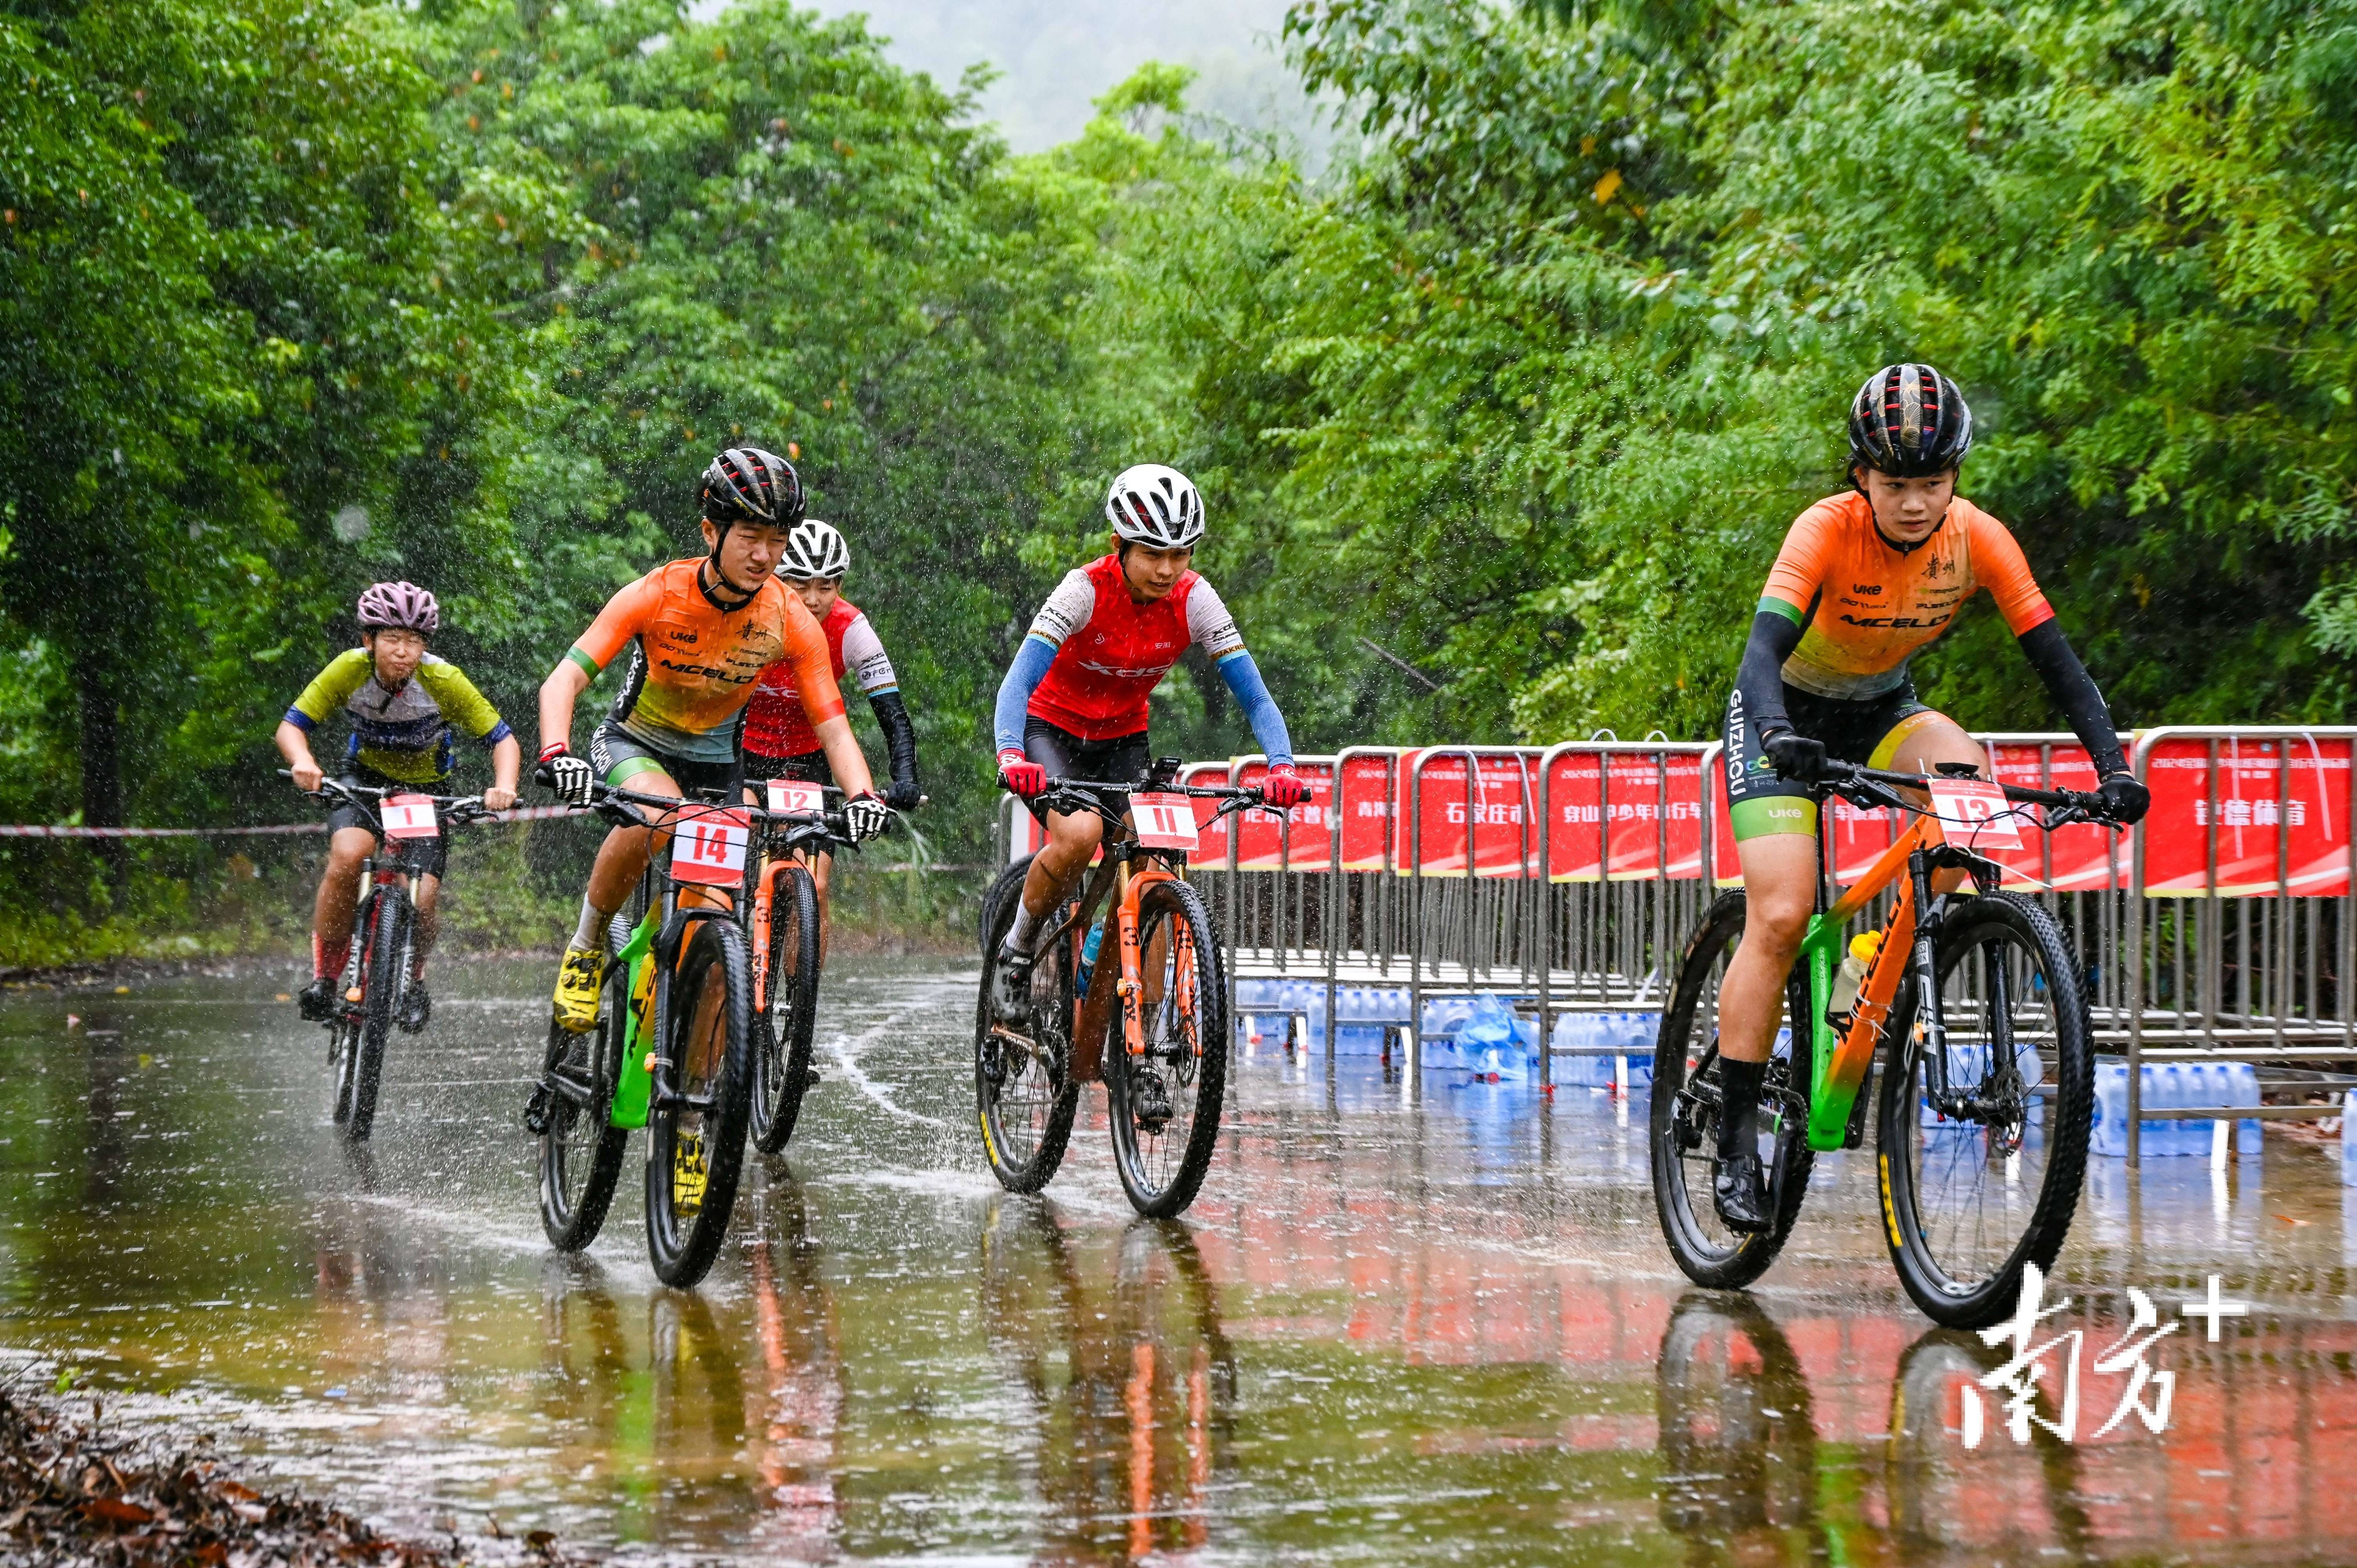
x: 775, y: 721
x: 1111, y: 650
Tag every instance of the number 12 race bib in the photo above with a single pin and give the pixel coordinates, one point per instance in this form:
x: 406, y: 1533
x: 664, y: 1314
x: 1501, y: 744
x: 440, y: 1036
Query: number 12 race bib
x: 410, y: 817
x: 709, y: 848
x: 792, y: 795
x: 1975, y: 813
x: 1164, y: 821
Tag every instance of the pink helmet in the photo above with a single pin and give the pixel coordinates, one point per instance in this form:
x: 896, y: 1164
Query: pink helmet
x: 402, y: 607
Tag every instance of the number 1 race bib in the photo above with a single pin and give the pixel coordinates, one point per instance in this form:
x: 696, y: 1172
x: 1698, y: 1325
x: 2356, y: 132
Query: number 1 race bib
x: 792, y: 795
x: 410, y: 817
x: 1164, y: 821
x: 1975, y: 814
x: 709, y: 848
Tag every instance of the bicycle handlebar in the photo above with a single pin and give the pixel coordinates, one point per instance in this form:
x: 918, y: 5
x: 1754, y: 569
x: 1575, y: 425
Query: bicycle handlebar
x: 456, y: 808
x: 625, y: 803
x: 1079, y: 792
x: 1872, y: 787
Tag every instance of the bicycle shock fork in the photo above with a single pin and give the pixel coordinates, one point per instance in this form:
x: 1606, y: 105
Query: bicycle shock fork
x: 1928, y: 1011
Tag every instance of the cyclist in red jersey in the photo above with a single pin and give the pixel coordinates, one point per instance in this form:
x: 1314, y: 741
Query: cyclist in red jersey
x: 1864, y: 580
x: 700, y: 632
x: 1074, y: 703
x: 779, y: 740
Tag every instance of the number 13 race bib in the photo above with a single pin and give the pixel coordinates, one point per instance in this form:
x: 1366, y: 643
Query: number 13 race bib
x: 410, y: 817
x: 1164, y: 821
x: 709, y: 848
x: 1975, y: 813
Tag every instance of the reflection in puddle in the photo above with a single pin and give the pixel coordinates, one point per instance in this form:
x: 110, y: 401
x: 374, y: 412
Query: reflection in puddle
x: 1391, y: 1331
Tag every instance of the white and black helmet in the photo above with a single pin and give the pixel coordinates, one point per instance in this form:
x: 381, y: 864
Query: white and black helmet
x: 1154, y: 505
x: 813, y: 549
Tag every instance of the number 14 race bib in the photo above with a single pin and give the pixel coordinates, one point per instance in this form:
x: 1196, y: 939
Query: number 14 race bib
x: 709, y: 848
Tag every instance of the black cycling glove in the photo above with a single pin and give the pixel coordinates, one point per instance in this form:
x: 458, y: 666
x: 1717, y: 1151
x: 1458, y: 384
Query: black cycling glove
x: 1796, y: 756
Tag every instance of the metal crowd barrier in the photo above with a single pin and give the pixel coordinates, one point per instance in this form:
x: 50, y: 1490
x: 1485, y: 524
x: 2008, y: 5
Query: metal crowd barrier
x: 1566, y: 880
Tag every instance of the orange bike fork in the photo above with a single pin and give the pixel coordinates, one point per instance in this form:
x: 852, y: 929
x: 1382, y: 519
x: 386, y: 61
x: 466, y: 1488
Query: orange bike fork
x: 765, y: 898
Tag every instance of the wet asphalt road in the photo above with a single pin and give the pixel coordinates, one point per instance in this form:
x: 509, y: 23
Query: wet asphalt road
x: 1393, y: 1329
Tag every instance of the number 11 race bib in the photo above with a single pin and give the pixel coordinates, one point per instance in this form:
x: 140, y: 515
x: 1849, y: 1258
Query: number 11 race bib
x: 709, y: 848
x: 410, y: 817
x: 1164, y: 821
x: 1975, y: 814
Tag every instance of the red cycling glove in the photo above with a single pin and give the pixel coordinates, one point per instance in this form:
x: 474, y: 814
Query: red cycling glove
x: 1284, y: 788
x: 1021, y: 775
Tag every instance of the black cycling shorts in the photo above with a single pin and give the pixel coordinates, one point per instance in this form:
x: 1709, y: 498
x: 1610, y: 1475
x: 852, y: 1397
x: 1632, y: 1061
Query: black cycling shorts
x: 425, y: 857
x: 805, y: 768
x: 1758, y: 802
x: 1066, y: 756
x: 619, y: 756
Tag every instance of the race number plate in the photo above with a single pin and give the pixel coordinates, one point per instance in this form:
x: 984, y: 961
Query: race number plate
x: 709, y: 847
x: 1164, y: 821
x: 410, y: 817
x: 1975, y: 814
x: 794, y: 796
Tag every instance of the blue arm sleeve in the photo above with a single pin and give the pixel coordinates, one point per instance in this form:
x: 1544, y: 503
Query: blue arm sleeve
x: 1242, y: 677
x: 1023, y: 678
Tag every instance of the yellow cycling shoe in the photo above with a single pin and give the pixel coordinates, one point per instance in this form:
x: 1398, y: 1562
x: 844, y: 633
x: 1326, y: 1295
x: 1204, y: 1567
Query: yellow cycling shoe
x: 576, y: 989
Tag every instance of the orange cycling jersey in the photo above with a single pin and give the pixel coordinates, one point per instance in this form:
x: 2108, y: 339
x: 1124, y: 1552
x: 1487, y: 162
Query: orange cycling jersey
x: 1866, y: 608
x: 695, y: 661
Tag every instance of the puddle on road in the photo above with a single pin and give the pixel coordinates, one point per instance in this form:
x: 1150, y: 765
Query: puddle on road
x: 1387, y: 1333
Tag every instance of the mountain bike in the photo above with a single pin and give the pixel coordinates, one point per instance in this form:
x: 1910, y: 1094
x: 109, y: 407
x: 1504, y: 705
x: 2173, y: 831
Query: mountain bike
x: 787, y: 957
x: 1974, y: 1006
x: 1163, y: 1089
x: 675, y: 1048
x: 376, y: 976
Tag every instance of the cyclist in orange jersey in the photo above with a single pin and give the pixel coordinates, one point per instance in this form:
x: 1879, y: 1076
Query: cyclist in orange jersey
x: 1864, y: 582
x: 700, y: 633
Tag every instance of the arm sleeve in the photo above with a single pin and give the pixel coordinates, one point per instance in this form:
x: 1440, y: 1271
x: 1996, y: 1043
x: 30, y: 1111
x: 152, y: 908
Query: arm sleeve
x: 1775, y: 632
x: 900, y: 737
x: 461, y: 702
x: 624, y: 617
x: 1999, y: 566
x: 1068, y: 609
x: 864, y: 655
x: 813, y: 667
x: 2075, y: 692
x: 1209, y: 625
x: 330, y: 688
x: 1023, y: 678
x: 1242, y: 677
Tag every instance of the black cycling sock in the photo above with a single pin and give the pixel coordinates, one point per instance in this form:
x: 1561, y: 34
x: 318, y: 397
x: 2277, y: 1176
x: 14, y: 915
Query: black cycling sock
x: 1738, y: 1106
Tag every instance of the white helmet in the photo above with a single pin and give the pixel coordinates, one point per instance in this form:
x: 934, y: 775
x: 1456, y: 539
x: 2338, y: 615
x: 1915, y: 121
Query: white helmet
x: 813, y: 549
x: 1154, y: 505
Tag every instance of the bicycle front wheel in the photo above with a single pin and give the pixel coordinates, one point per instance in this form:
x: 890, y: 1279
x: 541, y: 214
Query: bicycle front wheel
x: 1975, y: 1188
x: 782, y: 1065
x: 1685, y: 1110
x: 581, y: 1153
x: 695, y: 1146
x: 1024, y: 1090
x: 381, y: 980
x: 1164, y: 1102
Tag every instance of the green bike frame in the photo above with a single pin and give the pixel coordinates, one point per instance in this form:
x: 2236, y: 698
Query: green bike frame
x: 634, y: 1087
x: 1831, y: 1098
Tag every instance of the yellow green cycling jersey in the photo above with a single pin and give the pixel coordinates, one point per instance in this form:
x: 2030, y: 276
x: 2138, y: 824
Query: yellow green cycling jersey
x: 403, y: 733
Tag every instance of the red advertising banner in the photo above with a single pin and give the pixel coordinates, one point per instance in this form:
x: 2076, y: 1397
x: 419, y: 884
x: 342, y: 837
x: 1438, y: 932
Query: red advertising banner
x: 2074, y: 860
x: 1211, y: 830
x: 2247, y: 803
x: 1504, y: 797
x: 1261, y: 838
x: 1856, y: 838
x: 1365, y: 810
x: 1574, y: 818
x: 1726, y: 869
x: 1652, y: 803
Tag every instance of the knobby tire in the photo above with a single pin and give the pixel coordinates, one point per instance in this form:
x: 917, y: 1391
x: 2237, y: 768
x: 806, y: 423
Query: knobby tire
x: 782, y: 1069
x: 696, y: 1158
x: 1025, y: 1114
x: 381, y: 980
x: 1162, y: 1169
x: 581, y: 1153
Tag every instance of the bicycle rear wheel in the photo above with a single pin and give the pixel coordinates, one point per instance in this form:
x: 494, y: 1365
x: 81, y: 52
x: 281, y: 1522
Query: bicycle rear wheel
x: 1026, y: 1096
x: 381, y: 979
x: 695, y: 1152
x: 782, y: 1065
x: 1164, y: 1104
x: 1685, y: 1108
x: 581, y: 1153
x: 1968, y: 1199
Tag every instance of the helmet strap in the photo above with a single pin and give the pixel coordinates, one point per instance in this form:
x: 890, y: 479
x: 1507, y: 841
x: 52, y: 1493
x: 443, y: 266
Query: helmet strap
x: 718, y: 582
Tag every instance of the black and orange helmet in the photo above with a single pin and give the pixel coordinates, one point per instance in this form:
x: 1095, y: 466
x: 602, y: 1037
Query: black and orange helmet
x: 745, y: 484
x: 1910, y: 422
